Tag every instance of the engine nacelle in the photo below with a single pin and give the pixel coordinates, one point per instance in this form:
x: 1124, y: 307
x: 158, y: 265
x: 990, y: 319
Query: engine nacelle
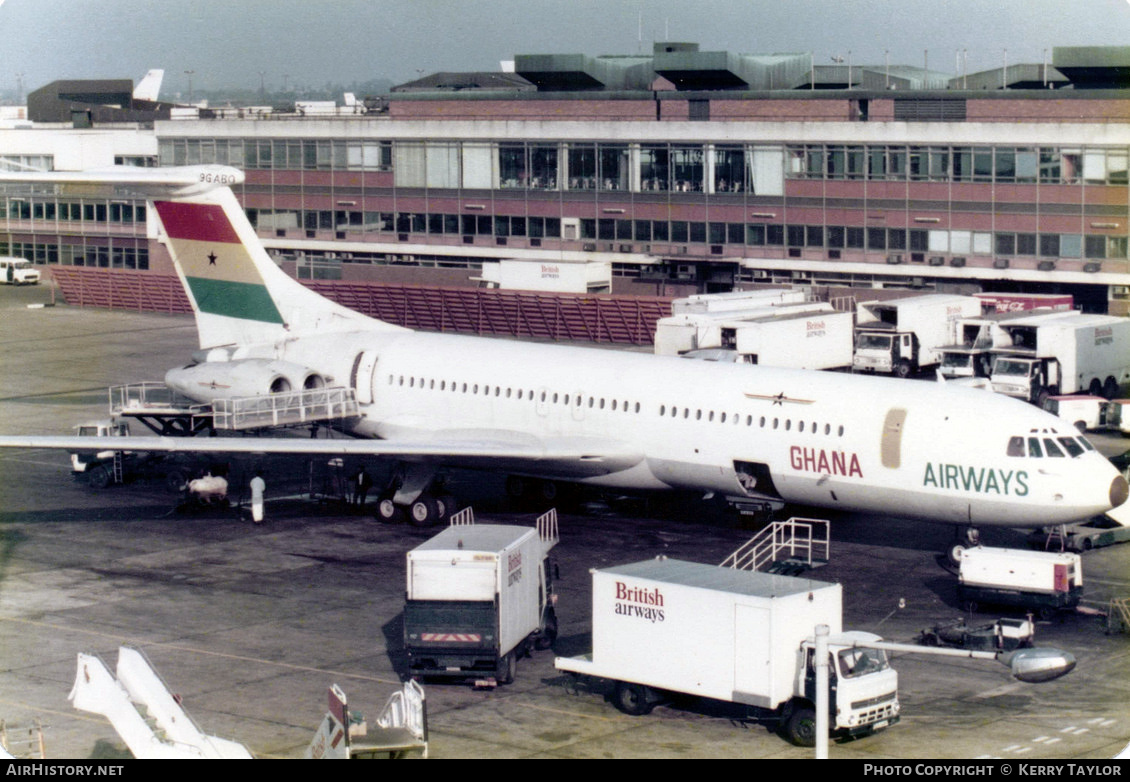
x: 213, y: 380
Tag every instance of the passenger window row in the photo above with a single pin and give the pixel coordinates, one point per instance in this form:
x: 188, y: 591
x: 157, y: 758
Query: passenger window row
x: 736, y: 418
x: 615, y: 405
x: 574, y: 400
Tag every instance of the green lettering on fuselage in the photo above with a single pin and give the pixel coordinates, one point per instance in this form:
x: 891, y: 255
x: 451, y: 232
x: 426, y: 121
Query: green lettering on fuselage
x: 979, y: 480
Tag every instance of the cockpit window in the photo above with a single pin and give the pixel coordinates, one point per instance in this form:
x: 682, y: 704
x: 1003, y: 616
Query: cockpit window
x: 1073, y: 448
x: 1016, y: 446
x: 1052, y: 448
x: 1034, y: 449
x: 1086, y: 444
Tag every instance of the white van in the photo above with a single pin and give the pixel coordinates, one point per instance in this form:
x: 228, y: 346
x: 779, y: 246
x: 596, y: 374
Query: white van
x: 17, y: 271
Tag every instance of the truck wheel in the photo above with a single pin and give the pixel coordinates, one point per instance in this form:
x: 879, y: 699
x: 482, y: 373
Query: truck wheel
x: 903, y: 368
x: 1110, y: 388
x: 175, y: 481
x: 1096, y: 387
x: 548, y: 632
x: 634, y: 699
x: 507, y: 666
x: 99, y: 478
x: 800, y: 727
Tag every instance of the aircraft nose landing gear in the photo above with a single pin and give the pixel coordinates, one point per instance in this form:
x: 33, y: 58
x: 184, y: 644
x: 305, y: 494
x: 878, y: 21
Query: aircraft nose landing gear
x: 964, y: 537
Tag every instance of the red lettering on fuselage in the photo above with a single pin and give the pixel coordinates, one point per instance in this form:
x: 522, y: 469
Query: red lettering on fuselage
x: 818, y: 460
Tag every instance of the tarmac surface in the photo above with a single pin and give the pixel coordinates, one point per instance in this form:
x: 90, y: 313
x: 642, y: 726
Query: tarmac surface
x: 251, y: 624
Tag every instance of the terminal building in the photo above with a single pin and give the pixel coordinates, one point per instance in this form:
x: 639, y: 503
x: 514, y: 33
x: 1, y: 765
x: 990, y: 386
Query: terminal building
x: 672, y: 173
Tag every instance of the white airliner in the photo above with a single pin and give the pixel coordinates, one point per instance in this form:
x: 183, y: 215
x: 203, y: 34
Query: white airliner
x: 621, y: 420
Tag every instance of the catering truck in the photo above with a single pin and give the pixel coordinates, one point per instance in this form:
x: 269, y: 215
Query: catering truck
x: 902, y: 336
x: 979, y: 336
x: 1042, y: 581
x: 817, y: 338
x: 667, y: 626
x: 1080, y: 353
x: 796, y: 336
x: 479, y: 597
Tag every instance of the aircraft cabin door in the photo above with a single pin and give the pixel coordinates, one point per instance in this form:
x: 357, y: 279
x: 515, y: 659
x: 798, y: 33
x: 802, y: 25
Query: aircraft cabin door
x: 891, y: 445
x: 362, y: 378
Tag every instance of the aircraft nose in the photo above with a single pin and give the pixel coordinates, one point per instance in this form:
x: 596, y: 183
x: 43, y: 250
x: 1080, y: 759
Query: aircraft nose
x: 1119, y: 491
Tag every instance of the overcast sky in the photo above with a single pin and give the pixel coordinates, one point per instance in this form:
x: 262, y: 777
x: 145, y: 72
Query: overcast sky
x: 314, y: 42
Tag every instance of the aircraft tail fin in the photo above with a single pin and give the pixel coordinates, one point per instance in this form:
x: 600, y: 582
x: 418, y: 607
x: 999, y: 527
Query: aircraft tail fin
x: 239, y: 294
x: 150, y: 86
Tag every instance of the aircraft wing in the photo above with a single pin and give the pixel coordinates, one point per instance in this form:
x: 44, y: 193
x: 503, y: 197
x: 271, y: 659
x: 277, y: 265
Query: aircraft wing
x: 471, y: 448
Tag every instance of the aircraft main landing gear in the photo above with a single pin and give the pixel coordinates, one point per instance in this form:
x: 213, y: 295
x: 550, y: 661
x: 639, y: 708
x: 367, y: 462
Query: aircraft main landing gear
x: 415, y: 495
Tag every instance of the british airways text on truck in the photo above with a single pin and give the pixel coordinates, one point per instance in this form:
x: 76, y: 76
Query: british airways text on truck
x: 479, y: 596
x: 669, y: 626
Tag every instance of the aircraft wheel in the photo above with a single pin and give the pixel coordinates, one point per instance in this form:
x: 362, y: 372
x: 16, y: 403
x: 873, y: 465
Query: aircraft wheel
x: 549, y: 491
x: 387, y: 510
x: 955, y: 552
x: 448, y: 506
x: 424, y: 512
x: 516, y: 487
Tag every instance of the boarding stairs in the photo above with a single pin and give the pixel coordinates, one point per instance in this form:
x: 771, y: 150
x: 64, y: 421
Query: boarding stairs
x: 20, y: 743
x: 402, y: 727
x: 784, y: 547
x: 147, y: 717
x: 1118, y: 616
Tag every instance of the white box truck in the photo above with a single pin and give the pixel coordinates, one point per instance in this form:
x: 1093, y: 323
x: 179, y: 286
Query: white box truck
x: 740, y: 636
x: 902, y: 336
x: 478, y: 597
x: 689, y: 331
x: 978, y: 338
x: 1080, y: 353
x: 817, y: 338
x: 1040, y: 581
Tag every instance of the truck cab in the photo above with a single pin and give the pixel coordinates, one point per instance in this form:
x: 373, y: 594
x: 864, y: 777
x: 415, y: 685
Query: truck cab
x: 863, y: 689
x: 1030, y: 379
x: 885, y: 351
x: 82, y: 461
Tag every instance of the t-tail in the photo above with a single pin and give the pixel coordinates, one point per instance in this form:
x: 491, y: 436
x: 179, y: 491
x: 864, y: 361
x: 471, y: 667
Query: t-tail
x: 238, y: 293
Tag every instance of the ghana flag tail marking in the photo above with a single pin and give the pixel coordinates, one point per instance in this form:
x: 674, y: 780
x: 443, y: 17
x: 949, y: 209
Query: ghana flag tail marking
x: 219, y: 272
x: 238, y: 293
